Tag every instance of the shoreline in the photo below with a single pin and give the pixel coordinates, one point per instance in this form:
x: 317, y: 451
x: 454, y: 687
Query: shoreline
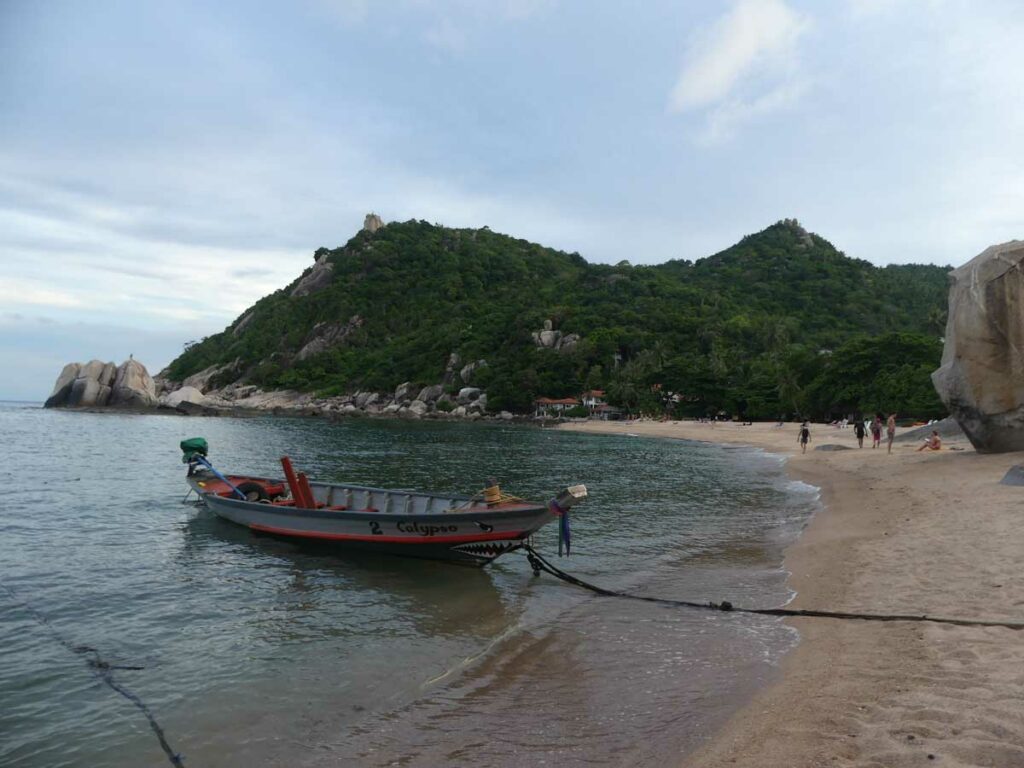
x: 910, y: 533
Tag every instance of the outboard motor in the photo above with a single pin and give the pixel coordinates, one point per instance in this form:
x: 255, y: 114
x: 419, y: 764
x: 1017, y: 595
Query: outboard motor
x: 191, y: 450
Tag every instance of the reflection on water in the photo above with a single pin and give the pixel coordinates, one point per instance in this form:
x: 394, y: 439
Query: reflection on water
x: 317, y: 583
x: 264, y: 652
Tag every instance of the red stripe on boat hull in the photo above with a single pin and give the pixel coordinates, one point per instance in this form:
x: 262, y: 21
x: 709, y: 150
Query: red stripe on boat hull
x: 464, y: 539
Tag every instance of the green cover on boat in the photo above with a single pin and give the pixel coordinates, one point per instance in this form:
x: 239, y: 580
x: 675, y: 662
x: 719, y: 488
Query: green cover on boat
x: 193, y: 446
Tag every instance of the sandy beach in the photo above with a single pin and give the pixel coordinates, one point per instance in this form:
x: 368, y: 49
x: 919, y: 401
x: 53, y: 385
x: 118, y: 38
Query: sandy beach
x: 921, y: 533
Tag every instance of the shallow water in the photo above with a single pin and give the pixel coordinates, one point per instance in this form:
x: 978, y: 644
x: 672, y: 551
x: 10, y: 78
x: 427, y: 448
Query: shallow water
x: 261, y: 652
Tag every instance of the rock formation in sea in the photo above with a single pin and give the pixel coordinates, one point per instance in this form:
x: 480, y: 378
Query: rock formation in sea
x: 981, y: 379
x: 97, y: 384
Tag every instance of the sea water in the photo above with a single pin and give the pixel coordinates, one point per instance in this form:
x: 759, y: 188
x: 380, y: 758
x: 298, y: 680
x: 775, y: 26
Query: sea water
x: 256, y: 651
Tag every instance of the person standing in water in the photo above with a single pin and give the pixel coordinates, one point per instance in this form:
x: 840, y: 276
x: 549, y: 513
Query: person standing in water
x: 805, y: 436
x: 859, y: 430
x: 876, y: 431
x: 890, y: 429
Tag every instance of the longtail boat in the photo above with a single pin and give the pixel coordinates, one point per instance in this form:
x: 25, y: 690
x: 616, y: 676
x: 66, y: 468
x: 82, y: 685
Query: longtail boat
x: 473, y: 530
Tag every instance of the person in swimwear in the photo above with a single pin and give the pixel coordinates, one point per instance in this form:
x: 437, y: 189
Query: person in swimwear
x: 805, y: 436
x: 890, y: 429
x: 933, y: 443
x: 876, y: 431
x: 859, y: 431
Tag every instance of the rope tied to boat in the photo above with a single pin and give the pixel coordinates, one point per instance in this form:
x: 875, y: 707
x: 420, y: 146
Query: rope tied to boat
x: 104, y: 671
x: 539, y: 564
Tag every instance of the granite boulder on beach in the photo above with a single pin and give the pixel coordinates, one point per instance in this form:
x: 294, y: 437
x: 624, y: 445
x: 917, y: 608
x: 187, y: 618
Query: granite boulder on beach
x: 981, y: 379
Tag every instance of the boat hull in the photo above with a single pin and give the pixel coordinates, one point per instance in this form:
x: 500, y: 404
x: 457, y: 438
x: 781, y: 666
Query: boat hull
x: 468, y: 533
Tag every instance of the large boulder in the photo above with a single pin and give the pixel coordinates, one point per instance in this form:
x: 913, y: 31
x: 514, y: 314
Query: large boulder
x: 62, y: 387
x: 92, y: 370
x: 466, y: 374
x: 549, y: 338
x: 568, y: 343
x: 89, y: 386
x: 133, y: 386
x: 366, y: 399
x: 184, y: 395
x: 84, y: 392
x: 468, y: 395
x: 404, y: 393
x: 431, y: 393
x: 981, y: 379
x: 108, y: 374
x: 96, y: 384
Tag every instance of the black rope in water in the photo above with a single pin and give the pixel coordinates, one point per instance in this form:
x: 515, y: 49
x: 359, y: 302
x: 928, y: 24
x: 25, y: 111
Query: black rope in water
x: 538, y: 563
x: 104, y: 671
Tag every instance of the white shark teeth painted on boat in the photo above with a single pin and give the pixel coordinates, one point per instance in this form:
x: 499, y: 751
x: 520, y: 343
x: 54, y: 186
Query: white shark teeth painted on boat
x: 486, y: 550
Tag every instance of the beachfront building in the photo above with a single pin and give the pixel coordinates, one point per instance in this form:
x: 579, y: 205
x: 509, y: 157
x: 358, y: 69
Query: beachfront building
x: 553, y: 407
x: 605, y: 412
x: 593, y: 398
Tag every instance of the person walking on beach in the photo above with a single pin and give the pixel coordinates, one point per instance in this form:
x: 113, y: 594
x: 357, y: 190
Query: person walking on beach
x: 859, y: 430
x: 804, y: 437
x: 890, y: 429
x: 876, y: 431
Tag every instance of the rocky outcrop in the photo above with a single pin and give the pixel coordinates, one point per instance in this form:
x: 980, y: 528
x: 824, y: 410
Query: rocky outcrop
x: 548, y: 338
x: 366, y: 399
x: 431, y: 393
x: 468, y: 395
x: 451, y: 368
x: 466, y: 374
x: 372, y: 223
x: 404, y: 393
x: 981, y: 379
x: 324, y: 336
x: 133, y: 386
x: 62, y: 388
x: 97, y: 384
x: 89, y: 388
x: 206, y: 379
x: 243, y: 323
x: 318, y: 278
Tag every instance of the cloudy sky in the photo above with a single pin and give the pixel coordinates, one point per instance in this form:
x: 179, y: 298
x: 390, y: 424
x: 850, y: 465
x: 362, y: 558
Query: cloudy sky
x: 162, y: 165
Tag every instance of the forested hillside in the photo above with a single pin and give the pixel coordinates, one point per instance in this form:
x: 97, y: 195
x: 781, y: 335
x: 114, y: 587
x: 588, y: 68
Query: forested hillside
x: 781, y: 322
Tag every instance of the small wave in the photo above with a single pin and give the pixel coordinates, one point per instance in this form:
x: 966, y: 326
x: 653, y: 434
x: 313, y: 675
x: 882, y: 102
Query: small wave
x: 799, y: 486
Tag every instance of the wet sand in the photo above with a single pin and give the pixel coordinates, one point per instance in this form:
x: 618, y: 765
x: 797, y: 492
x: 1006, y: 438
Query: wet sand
x: 909, y: 532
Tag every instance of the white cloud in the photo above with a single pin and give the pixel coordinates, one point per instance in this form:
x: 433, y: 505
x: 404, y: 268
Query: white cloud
x: 16, y: 293
x: 742, y: 67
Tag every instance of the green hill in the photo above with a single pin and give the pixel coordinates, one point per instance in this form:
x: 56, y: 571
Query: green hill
x: 765, y: 327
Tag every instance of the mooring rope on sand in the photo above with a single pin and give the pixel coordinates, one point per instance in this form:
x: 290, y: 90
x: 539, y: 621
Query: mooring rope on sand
x: 104, y: 671
x: 539, y: 563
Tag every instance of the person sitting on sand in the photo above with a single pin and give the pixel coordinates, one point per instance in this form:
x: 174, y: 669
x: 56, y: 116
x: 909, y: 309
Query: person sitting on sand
x: 804, y: 437
x: 933, y: 443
